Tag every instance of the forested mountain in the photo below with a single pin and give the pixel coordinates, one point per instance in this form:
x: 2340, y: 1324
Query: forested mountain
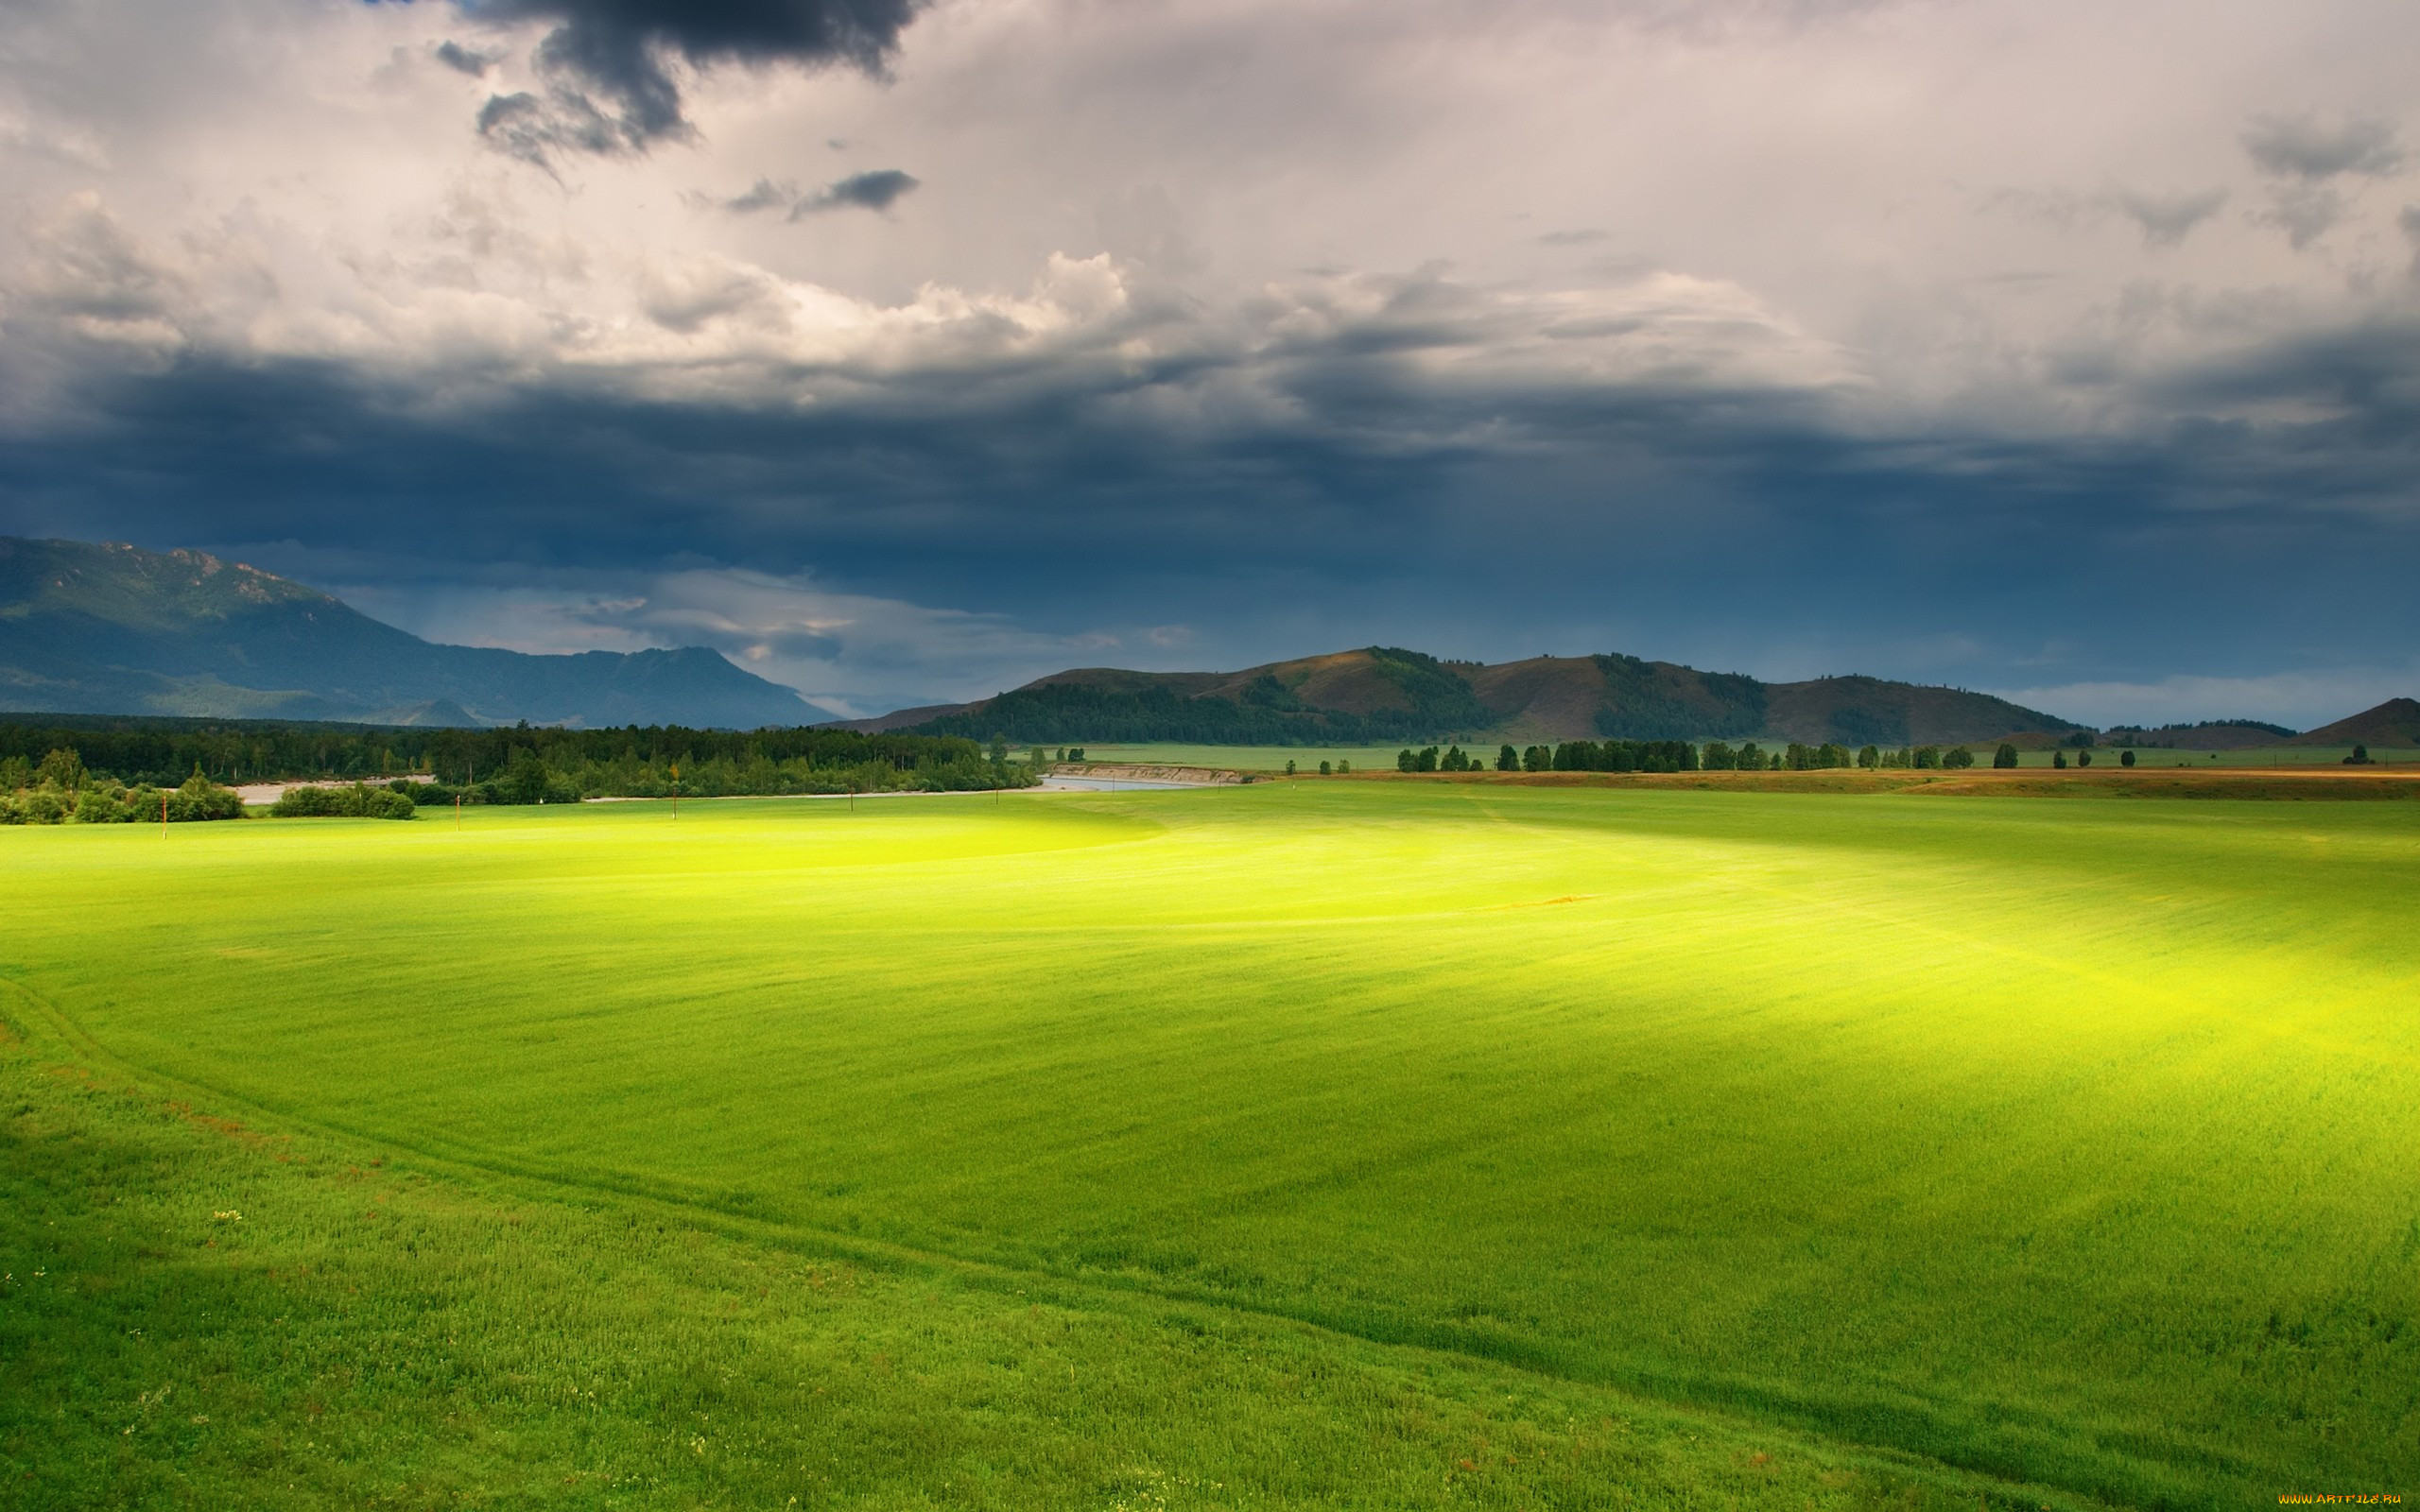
x: 114, y: 629
x: 1386, y: 693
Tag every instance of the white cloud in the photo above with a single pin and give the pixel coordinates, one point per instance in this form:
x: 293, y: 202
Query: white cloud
x: 1789, y: 196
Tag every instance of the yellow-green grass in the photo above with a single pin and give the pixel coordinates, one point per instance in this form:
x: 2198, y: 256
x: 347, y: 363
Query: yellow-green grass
x: 2064, y: 1145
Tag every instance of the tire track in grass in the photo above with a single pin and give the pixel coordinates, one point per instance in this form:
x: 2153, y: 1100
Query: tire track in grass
x: 1732, y: 1398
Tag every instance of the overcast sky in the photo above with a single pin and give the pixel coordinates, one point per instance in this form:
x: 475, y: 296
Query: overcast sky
x: 902, y: 353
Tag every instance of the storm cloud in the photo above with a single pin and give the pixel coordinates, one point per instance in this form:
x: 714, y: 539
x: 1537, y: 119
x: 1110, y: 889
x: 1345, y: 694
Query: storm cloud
x: 610, y: 63
x: 1237, y: 331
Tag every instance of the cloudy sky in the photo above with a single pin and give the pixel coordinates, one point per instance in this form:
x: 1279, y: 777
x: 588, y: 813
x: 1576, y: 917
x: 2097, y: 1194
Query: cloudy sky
x: 904, y: 352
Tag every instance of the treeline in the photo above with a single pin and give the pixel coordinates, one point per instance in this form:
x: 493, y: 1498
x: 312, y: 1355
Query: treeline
x: 1267, y: 714
x: 520, y: 764
x: 1571, y: 756
x: 1681, y: 756
x: 566, y: 775
x: 58, y: 789
x: 2169, y: 736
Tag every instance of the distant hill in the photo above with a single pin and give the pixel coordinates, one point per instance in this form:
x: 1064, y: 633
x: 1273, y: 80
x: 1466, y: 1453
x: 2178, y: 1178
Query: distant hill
x: 2395, y: 722
x: 2208, y: 735
x: 1383, y: 694
x: 114, y: 629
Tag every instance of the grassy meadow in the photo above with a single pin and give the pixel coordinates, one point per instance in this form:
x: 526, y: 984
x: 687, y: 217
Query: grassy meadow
x: 1373, y: 1144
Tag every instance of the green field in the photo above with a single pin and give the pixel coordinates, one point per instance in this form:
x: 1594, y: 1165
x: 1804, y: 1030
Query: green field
x: 1294, y: 1145
x: 1376, y: 758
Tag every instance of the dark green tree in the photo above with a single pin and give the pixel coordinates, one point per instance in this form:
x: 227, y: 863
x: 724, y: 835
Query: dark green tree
x: 1508, y: 760
x: 64, y: 769
x: 2005, y: 756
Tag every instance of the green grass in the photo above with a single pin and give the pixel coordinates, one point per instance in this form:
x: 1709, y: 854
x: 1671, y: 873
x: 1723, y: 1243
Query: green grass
x: 1280, y: 1143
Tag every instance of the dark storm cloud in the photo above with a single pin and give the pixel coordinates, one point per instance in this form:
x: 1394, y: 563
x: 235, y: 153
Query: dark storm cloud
x: 607, y: 61
x: 2304, y: 147
x: 1350, y: 481
x: 876, y: 190
x: 464, y: 60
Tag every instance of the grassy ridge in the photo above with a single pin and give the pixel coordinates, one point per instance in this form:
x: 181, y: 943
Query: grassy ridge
x: 2063, y: 1143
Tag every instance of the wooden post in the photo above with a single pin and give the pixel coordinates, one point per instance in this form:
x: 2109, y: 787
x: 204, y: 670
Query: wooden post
x: 163, y: 814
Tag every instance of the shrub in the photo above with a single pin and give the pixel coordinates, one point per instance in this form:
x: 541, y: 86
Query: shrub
x: 357, y: 800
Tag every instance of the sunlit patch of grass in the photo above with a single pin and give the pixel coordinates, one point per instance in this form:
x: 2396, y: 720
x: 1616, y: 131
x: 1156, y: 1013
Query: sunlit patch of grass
x: 2060, y: 1144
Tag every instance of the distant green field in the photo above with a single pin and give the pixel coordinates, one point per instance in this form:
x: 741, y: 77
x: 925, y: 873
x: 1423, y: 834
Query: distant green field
x: 1273, y: 758
x: 1294, y: 1145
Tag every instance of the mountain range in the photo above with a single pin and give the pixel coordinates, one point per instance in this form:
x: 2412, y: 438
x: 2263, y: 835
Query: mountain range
x: 89, y: 628
x: 113, y: 629
x: 1385, y: 694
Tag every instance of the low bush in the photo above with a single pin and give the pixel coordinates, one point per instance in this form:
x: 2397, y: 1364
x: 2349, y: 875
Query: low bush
x: 355, y: 800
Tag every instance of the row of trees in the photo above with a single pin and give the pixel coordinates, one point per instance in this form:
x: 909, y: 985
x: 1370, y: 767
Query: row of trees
x: 517, y: 766
x: 1571, y: 756
x: 1680, y: 756
x: 60, y: 790
x: 162, y: 751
